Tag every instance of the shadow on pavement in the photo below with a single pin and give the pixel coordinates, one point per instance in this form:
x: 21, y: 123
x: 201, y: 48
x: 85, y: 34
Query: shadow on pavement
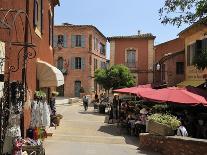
x: 144, y: 152
x: 91, y: 113
x: 112, y: 129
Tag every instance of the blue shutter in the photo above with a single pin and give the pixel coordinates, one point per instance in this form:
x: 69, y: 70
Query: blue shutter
x: 82, y: 41
x: 65, y: 40
x: 72, y: 63
x: 73, y: 41
x: 82, y: 63
x: 55, y: 40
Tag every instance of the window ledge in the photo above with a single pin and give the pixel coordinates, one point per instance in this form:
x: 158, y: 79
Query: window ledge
x: 38, y: 33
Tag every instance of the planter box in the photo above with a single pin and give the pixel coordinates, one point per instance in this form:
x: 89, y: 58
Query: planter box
x: 159, y: 129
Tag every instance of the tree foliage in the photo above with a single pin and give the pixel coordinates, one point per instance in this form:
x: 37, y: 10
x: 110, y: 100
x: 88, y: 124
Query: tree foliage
x: 177, y: 12
x: 117, y: 76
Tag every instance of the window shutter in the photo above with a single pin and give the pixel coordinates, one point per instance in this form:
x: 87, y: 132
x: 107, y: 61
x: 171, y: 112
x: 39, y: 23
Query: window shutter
x: 82, y: 63
x: 42, y: 15
x: 198, y: 47
x: 90, y: 42
x: 94, y: 43
x: 73, y: 41
x: 65, y: 40
x: 35, y: 13
x: 55, y: 40
x: 82, y: 41
x: 72, y: 63
x: 188, y: 55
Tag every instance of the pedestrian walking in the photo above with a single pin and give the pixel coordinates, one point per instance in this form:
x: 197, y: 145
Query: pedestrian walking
x: 85, y: 102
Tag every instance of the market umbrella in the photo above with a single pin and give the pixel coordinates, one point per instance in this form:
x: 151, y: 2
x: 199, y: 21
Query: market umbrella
x: 134, y: 90
x: 175, y: 95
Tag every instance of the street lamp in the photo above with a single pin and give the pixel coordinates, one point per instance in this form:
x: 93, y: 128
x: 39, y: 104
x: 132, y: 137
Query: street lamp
x: 161, y: 61
x: 158, y: 66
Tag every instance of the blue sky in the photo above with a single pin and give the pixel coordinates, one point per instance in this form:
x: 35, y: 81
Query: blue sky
x: 117, y: 17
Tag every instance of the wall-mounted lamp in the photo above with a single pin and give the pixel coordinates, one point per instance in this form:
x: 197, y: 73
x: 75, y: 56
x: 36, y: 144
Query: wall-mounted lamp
x: 158, y: 66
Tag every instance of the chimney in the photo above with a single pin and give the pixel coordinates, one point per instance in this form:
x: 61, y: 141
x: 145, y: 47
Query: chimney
x: 139, y: 32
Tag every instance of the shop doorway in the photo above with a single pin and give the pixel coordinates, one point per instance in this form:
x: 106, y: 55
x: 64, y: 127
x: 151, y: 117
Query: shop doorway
x: 77, y: 88
x: 60, y: 90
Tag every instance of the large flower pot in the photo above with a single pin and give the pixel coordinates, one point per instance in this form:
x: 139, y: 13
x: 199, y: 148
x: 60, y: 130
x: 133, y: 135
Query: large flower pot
x: 159, y: 129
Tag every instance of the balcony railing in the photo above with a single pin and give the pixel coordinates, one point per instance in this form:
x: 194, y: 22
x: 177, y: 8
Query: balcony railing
x: 131, y: 65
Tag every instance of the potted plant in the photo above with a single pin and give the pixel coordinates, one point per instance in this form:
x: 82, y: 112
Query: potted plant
x: 163, y: 124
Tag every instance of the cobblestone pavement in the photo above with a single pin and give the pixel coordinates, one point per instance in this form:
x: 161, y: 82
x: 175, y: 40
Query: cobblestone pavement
x: 85, y: 133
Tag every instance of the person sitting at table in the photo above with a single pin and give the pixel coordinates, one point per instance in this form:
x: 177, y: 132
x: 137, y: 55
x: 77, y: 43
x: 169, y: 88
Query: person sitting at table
x: 181, y: 131
x: 140, y: 125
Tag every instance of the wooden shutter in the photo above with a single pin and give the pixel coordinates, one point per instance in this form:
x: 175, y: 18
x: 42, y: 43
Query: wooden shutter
x: 82, y: 63
x: 72, y: 63
x: 188, y: 55
x: 73, y: 40
x: 65, y: 40
x: 90, y: 42
x: 55, y: 40
x: 82, y: 41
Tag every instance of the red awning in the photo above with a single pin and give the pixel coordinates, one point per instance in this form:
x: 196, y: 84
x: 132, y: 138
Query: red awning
x: 135, y: 90
x: 175, y: 95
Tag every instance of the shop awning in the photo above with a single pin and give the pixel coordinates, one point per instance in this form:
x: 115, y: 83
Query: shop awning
x: 191, y: 83
x: 48, y: 75
x: 175, y: 95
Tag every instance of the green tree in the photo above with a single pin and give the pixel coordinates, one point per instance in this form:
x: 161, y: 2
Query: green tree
x: 117, y: 76
x: 177, y: 12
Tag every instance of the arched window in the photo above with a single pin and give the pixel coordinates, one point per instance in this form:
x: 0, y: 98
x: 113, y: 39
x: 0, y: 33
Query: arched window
x: 60, y: 63
x: 131, y: 58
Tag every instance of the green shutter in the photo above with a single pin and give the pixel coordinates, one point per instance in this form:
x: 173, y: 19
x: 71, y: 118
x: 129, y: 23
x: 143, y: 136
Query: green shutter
x: 82, y: 63
x: 65, y: 40
x: 72, y: 63
x: 82, y: 41
x: 73, y: 41
x: 55, y: 40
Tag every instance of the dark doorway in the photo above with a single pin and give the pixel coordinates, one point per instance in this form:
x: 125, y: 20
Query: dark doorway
x: 60, y: 90
x: 77, y: 88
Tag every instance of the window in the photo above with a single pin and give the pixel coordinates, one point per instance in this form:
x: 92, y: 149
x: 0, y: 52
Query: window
x: 190, y: 54
x: 103, y: 64
x: 60, y: 62
x: 77, y: 63
x: 38, y: 16
x: 131, y: 58
x: 179, y: 67
x: 102, y: 49
x: 60, y: 40
x: 78, y: 41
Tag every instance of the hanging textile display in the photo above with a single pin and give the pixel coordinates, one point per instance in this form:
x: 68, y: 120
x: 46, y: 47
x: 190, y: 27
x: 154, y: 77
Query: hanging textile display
x: 40, y: 114
x: 13, y: 132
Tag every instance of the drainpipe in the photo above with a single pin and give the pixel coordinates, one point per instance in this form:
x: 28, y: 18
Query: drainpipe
x: 24, y: 66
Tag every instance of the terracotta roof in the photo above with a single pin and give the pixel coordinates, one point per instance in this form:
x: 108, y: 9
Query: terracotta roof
x: 139, y: 36
x: 81, y: 26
